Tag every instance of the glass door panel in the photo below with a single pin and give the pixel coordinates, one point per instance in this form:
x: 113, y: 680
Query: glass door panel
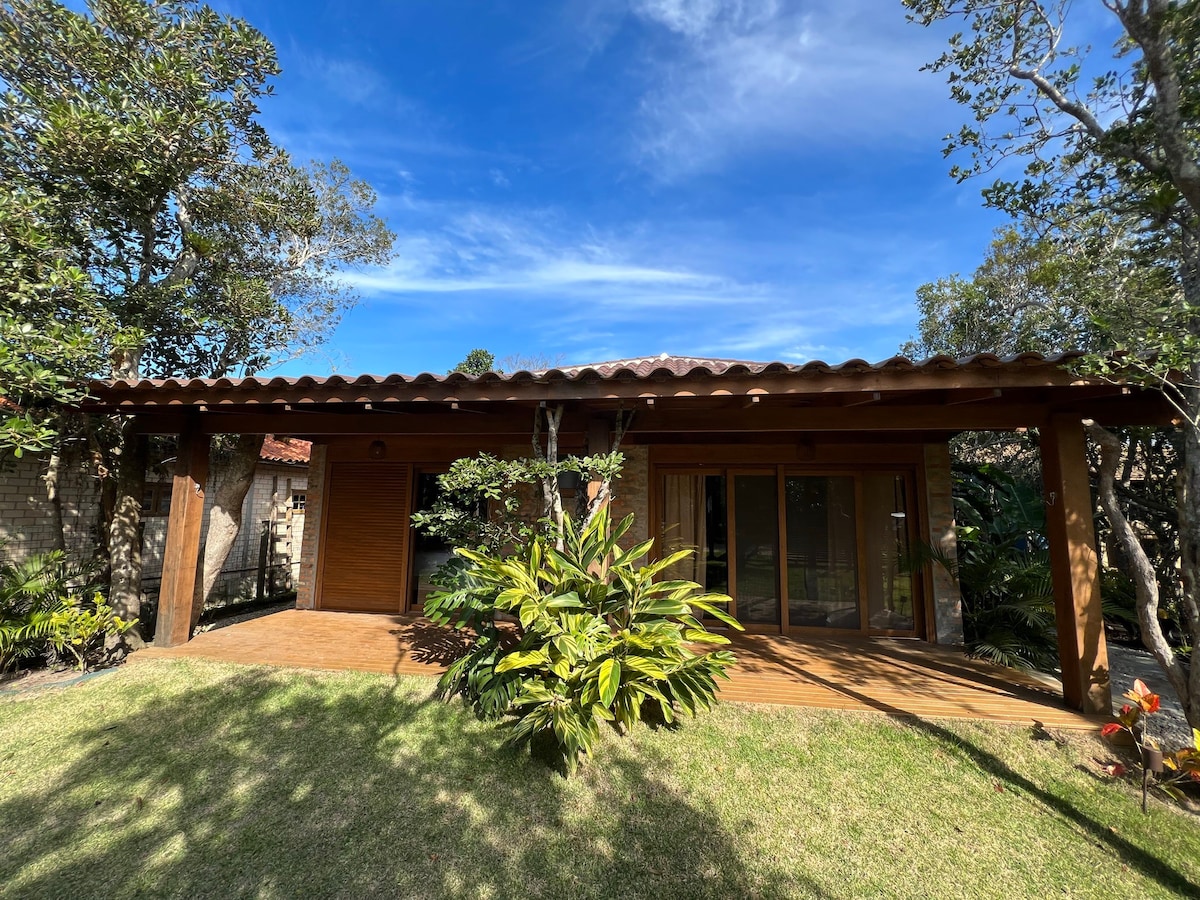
x: 694, y: 518
x: 822, y: 557
x: 890, y: 590
x: 756, y: 545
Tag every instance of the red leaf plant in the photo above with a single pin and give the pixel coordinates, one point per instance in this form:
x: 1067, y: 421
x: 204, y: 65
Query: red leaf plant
x: 1177, y: 765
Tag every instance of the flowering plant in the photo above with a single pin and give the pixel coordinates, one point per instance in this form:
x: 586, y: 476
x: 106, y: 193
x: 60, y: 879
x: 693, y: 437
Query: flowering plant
x: 1170, y: 768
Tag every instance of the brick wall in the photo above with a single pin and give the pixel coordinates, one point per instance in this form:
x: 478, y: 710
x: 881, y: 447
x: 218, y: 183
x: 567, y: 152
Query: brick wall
x: 267, y: 507
x: 307, y: 567
x: 26, y: 520
x: 939, y: 504
x: 26, y: 523
x: 631, y: 493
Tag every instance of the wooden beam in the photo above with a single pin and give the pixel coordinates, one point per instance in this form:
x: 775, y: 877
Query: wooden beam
x: 958, y: 397
x: 1075, y: 566
x: 683, y: 416
x: 182, y: 553
x: 873, y: 397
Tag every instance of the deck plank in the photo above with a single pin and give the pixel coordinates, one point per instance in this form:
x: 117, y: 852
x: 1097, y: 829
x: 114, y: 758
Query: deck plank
x: 894, y: 676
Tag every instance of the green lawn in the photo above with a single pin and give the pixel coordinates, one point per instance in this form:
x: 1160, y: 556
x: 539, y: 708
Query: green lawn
x: 194, y: 779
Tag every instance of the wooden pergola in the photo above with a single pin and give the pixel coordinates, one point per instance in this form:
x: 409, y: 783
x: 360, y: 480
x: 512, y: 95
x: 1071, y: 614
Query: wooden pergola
x: 677, y: 401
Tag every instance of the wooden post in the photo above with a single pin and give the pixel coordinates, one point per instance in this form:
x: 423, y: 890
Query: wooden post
x: 182, y: 553
x: 1075, y: 566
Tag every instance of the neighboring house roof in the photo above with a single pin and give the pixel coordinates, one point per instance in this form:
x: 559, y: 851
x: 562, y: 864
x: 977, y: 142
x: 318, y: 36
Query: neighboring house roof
x: 290, y: 451
x: 644, y: 366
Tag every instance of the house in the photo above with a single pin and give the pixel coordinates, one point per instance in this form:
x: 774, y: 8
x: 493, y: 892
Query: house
x: 269, y: 542
x: 802, y: 486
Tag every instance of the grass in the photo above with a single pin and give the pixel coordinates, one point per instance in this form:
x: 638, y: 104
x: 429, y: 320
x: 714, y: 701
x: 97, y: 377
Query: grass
x: 181, y: 778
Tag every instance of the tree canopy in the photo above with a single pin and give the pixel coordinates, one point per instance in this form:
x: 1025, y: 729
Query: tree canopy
x: 1111, y: 154
x: 476, y: 362
x: 134, y: 126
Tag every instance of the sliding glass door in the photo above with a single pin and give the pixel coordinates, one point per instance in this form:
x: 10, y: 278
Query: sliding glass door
x: 755, y: 569
x: 822, y: 552
x: 694, y: 518
x: 889, y: 585
x: 797, y: 551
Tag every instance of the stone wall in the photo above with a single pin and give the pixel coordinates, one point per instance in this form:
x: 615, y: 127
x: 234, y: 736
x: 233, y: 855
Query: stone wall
x: 307, y: 567
x: 939, y: 506
x: 631, y: 493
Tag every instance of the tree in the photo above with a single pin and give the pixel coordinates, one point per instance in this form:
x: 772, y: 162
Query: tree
x: 529, y: 362
x: 1040, y: 292
x: 50, y: 328
x: 1103, y: 143
x: 477, y: 362
x: 137, y: 122
x: 1034, y: 291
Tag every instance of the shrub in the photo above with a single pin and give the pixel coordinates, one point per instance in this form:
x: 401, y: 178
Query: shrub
x: 591, y: 637
x: 41, y: 615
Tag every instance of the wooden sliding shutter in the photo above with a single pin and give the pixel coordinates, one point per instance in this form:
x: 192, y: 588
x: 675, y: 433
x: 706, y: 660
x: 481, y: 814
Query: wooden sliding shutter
x: 366, y: 537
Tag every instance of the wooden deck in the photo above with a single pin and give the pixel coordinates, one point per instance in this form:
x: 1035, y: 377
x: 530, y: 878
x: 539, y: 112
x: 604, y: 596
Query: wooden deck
x: 898, y: 677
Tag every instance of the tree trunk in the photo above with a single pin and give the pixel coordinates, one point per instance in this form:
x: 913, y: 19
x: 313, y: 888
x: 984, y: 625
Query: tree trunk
x: 124, y: 532
x: 1189, y: 546
x: 54, y: 496
x: 231, y: 482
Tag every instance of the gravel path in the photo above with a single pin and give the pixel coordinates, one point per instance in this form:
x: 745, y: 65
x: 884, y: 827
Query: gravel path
x: 1168, y: 724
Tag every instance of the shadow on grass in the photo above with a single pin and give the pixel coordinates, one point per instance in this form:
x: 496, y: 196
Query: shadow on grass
x: 259, y: 783
x: 1136, y: 857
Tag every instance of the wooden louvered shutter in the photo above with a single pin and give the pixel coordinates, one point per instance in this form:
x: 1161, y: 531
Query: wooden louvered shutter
x: 366, y: 537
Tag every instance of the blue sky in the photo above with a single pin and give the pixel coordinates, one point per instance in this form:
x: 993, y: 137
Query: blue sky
x: 610, y: 178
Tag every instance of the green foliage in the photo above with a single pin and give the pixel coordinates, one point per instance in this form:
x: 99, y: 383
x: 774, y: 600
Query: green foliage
x: 52, y: 330
x: 41, y: 613
x: 1039, y: 291
x: 477, y: 362
x: 137, y: 124
x: 483, y: 499
x: 1111, y: 165
x: 79, y: 629
x: 1003, y: 569
x: 570, y: 639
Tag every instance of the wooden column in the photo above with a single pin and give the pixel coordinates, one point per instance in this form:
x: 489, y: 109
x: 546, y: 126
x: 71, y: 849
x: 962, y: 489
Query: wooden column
x: 1075, y: 565
x: 182, y: 553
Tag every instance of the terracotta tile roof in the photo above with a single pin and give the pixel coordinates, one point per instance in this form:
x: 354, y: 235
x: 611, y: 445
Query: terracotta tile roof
x: 285, y: 450
x: 648, y: 368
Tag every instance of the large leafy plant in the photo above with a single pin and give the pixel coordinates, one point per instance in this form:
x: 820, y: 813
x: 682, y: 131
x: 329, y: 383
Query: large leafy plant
x: 42, y: 615
x: 568, y: 639
x: 1003, y: 569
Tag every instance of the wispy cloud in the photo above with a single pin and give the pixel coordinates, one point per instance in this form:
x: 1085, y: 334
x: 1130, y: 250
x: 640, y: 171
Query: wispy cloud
x: 737, y: 76
x: 644, y: 289
x: 480, y: 251
x: 352, y: 80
